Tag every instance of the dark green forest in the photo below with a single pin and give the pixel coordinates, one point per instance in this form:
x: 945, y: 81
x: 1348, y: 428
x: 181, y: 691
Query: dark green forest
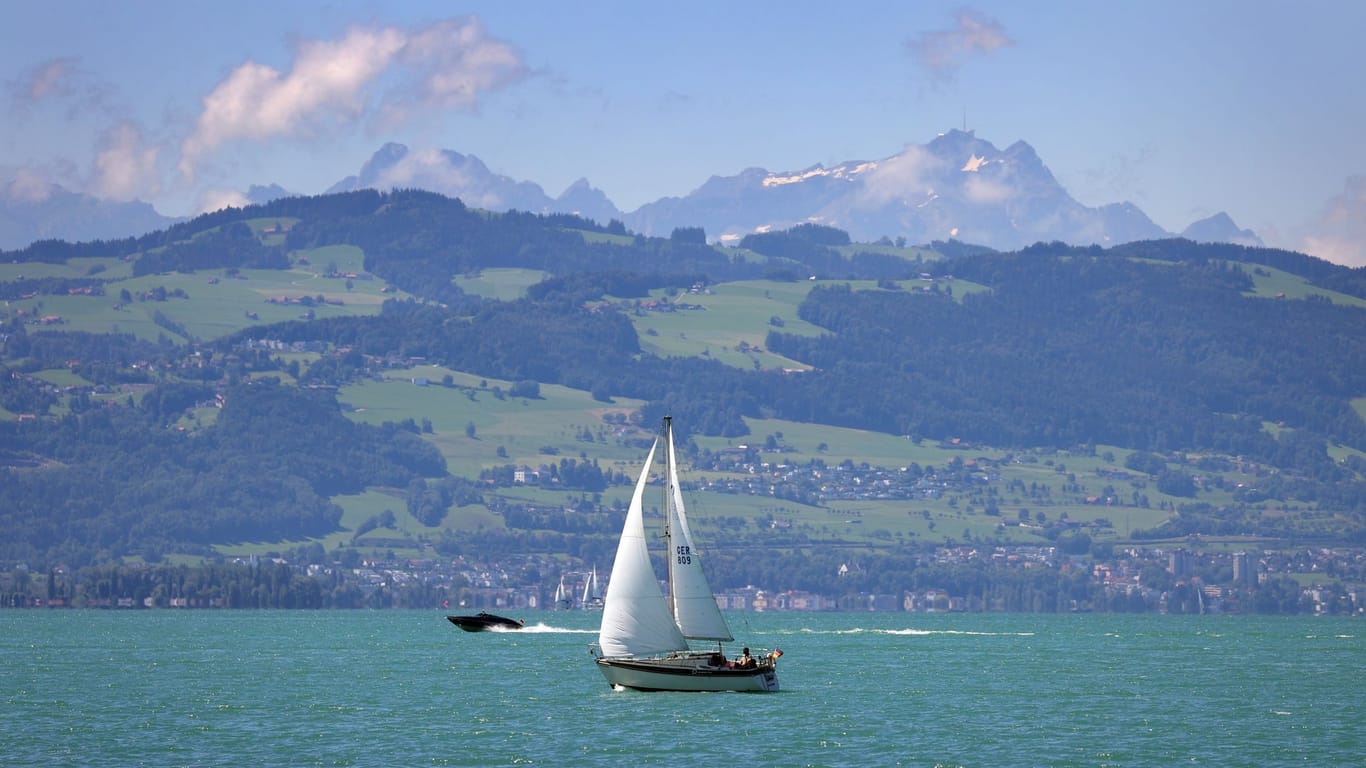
x: 114, y: 481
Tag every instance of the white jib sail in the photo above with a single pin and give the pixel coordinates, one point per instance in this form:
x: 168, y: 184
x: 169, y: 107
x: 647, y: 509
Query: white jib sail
x: 635, y: 617
x: 694, y: 605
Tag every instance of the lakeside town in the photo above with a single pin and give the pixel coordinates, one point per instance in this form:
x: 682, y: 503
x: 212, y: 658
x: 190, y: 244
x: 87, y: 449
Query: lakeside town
x: 1238, y: 576
x: 1158, y: 579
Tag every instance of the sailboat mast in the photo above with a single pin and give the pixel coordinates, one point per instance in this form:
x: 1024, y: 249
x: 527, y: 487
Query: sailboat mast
x: 668, y: 516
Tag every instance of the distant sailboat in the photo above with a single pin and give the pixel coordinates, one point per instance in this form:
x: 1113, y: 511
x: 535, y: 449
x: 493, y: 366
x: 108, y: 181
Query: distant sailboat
x: 592, y: 597
x: 563, y: 601
x: 643, y: 640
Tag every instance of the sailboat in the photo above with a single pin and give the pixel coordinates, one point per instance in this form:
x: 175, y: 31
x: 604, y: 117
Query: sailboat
x: 643, y: 640
x: 592, y: 598
x: 562, y: 599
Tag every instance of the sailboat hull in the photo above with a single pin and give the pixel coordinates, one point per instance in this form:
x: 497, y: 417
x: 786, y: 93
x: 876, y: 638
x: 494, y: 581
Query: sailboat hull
x: 694, y: 672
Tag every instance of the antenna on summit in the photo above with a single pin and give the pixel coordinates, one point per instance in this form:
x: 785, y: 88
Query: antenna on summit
x: 965, y: 119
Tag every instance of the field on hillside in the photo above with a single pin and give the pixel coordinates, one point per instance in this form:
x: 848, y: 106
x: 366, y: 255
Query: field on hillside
x: 1270, y: 283
x: 105, y: 269
x: 204, y: 305
x: 500, y: 284
x: 477, y: 425
x: 730, y: 322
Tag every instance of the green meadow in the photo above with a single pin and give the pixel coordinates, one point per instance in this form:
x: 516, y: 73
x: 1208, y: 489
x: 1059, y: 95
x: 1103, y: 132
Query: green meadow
x: 501, y: 284
x: 730, y: 322
x: 1271, y: 283
x: 104, y: 269
x: 209, y: 304
x: 477, y: 425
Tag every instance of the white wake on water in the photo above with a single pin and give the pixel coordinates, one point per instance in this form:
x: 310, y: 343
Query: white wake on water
x: 546, y: 629
x: 908, y: 631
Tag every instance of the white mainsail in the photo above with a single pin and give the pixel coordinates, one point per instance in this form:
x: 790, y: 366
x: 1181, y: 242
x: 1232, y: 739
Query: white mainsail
x: 635, y: 617
x: 694, y: 605
x: 561, y: 597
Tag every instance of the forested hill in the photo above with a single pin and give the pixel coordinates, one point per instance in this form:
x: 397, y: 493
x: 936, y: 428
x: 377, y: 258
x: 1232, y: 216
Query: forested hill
x: 1163, y: 347
x: 1070, y: 348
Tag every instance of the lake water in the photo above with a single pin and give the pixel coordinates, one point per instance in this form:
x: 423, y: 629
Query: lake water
x: 406, y: 688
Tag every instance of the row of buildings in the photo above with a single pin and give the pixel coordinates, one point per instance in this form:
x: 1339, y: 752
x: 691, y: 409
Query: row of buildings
x: 1165, y: 579
x: 1190, y: 579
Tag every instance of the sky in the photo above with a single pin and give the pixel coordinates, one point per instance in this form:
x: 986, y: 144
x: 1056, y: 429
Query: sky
x: 1250, y: 107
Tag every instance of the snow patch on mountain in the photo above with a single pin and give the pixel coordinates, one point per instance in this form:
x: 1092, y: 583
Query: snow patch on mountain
x: 974, y: 164
x: 777, y: 181
x: 839, y: 172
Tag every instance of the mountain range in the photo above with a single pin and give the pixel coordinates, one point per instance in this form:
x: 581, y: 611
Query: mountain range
x: 957, y: 186
x: 50, y: 212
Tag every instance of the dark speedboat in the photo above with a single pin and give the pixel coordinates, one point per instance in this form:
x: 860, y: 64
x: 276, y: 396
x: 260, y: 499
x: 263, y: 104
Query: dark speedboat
x: 485, y: 622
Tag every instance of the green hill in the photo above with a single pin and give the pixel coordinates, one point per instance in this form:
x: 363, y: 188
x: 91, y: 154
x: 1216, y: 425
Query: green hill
x: 502, y: 374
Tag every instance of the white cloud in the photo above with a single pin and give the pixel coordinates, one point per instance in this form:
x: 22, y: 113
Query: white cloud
x: 27, y: 186
x: 1339, y: 234
x: 211, y: 200
x: 457, y: 61
x: 907, y: 177
x: 50, y: 79
x: 941, y: 52
x: 986, y: 191
x: 433, y: 170
x: 429, y: 168
x: 445, y: 65
x: 63, y: 82
x: 257, y: 101
x: 125, y: 168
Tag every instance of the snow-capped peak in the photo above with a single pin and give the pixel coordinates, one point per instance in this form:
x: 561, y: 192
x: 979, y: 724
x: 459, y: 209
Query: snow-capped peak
x: 838, y: 172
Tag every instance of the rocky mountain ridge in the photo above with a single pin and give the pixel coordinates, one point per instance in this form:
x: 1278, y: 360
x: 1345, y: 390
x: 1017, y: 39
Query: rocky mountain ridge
x: 957, y: 186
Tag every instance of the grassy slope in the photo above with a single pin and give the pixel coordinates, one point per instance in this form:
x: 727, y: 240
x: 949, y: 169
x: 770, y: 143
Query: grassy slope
x: 215, y: 304
x: 500, y: 284
x: 1274, y: 283
x: 736, y: 318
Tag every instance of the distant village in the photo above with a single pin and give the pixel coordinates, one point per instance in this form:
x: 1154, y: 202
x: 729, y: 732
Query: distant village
x: 491, y: 587
x: 468, y: 584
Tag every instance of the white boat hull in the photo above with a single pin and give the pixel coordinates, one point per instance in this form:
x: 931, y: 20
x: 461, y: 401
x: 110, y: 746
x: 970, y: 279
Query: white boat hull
x: 686, y: 672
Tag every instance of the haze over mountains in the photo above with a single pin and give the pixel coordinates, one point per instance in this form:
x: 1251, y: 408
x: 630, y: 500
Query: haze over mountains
x: 30, y: 212
x: 956, y: 186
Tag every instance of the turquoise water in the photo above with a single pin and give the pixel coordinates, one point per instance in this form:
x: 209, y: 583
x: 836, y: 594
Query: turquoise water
x: 405, y: 688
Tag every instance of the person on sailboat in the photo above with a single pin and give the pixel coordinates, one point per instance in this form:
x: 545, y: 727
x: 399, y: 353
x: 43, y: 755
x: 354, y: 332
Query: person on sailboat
x: 745, y: 659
